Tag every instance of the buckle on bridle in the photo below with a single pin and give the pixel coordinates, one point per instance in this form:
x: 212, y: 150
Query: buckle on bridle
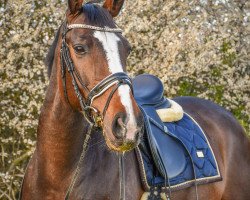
x: 93, y: 116
x: 98, y: 119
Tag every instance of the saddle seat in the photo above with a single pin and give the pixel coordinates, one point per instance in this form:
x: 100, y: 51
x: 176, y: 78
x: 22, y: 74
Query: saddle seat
x: 168, y: 154
x: 148, y: 89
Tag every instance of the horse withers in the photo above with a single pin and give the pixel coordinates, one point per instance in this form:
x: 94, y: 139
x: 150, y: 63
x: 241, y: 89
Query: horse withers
x: 89, y: 89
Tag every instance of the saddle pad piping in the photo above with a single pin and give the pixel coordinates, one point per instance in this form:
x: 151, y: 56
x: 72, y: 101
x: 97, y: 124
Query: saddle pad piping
x: 142, y: 169
x: 177, y: 187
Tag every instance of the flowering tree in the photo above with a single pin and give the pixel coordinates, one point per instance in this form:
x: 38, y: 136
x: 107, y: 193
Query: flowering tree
x: 198, y: 48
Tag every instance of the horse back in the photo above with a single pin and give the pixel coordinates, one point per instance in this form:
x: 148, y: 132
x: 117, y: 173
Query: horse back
x: 229, y: 142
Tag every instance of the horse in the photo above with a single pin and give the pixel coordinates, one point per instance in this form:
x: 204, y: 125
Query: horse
x: 89, y: 89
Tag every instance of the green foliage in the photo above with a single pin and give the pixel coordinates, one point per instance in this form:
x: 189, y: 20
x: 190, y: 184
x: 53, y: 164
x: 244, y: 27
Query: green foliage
x: 244, y: 119
x: 228, y: 57
x: 216, y: 93
x: 188, y: 87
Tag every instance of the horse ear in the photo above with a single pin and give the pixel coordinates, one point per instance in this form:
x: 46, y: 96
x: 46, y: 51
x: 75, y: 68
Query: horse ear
x: 74, y: 6
x: 113, y: 6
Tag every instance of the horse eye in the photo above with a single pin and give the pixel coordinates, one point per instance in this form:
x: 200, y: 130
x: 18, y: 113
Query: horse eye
x: 80, y: 49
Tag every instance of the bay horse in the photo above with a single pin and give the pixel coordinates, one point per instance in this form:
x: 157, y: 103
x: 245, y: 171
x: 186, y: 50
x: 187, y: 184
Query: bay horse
x: 90, y: 52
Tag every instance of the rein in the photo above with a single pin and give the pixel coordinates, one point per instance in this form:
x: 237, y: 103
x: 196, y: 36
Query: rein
x: 92, y: 115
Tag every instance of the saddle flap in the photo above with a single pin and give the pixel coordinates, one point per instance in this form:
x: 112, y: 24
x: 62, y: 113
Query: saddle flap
x: 168, y: 154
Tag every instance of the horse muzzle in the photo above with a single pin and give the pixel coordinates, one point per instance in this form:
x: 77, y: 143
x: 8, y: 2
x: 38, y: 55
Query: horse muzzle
x: 125, y: 136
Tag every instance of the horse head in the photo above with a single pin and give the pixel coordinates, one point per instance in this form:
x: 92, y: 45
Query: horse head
x: 93, y: 58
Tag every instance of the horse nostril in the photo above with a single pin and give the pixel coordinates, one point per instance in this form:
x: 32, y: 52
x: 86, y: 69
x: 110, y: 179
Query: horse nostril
x: 119, y: 128
x: 121, y: 123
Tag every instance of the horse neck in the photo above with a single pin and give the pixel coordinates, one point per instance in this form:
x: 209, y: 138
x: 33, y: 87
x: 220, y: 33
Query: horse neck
x: 60, y: 134
x: 60, y: 137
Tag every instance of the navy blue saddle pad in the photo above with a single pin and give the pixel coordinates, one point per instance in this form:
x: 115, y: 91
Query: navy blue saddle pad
x: 172, y: 154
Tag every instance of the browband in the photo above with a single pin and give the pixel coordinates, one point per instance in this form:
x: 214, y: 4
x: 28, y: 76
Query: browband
x: 97, y: 28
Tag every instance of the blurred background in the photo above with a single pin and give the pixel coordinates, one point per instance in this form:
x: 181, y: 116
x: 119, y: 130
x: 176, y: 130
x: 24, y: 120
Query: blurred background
x: 197, y: 47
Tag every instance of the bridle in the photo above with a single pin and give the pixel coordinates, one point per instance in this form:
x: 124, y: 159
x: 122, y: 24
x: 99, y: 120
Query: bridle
x: 92, y: 115
x: 117, y: 79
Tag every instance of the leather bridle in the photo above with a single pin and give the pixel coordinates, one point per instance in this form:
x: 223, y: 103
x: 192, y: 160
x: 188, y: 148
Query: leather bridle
x: 114, y: 80
x: 91, y: 114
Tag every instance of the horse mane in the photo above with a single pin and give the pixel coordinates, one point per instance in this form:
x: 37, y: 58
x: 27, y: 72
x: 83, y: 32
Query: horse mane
x: 51, y: 53
x: 96, y: 15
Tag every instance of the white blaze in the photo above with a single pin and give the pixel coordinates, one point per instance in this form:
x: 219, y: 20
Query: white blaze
x: 109, y: 42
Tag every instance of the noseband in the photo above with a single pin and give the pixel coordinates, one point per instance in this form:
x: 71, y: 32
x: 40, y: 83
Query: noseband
x: 114, y: 80
x: 93, y: 116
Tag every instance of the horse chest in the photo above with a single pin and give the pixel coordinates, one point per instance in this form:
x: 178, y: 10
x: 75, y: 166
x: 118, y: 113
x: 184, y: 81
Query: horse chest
x: 100, y: 177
